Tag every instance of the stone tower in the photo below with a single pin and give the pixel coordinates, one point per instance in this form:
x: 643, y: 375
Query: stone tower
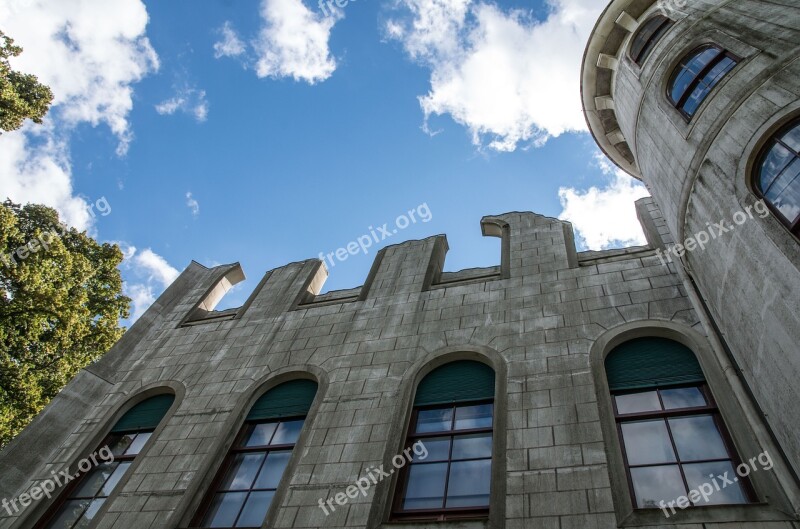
x: 689, y: 97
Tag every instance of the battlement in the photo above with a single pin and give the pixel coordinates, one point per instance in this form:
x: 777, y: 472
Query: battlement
x: 531, y: 245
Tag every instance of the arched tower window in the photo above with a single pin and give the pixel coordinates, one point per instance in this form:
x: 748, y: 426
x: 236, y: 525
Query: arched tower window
x: 777, y: 178
x: 696, y: 75
x: 673, y: 437
x: 87, y: 494
x: 453, y: 417
x: 647, y: 37
x: 242, y: 491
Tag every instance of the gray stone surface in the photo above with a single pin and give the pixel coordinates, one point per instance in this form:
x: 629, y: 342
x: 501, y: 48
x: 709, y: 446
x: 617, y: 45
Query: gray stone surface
x: 535, y: 322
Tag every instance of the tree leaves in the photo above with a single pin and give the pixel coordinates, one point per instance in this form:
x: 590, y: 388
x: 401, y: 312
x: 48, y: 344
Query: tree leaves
x: 60, y: 307
x: 22, y: 96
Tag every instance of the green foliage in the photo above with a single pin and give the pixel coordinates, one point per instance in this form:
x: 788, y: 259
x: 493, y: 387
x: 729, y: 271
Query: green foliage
x: 21, y: 95
x: 60, y: 308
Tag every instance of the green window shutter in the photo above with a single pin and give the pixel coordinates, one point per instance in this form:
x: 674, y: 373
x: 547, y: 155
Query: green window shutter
x: 456, y: 382
x: 651, y: 362
x: 287, y: 400
x: 146, y: 415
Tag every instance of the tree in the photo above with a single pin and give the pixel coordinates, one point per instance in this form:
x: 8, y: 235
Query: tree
x: 21, y: 95
x: 60, y: 306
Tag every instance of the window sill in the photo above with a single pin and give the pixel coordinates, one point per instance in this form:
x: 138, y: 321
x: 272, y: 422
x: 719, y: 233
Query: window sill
x: 755, y: 512
x: 448, y: 524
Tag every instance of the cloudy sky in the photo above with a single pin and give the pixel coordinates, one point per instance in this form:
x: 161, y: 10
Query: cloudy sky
x: 272, y: 131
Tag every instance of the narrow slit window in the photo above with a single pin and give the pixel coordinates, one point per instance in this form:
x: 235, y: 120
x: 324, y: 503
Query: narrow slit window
x: 647, y: 37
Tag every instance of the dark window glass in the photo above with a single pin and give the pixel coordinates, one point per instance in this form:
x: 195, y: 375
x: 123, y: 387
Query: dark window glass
x: 778, y: 177
x: 672, y: 440
x: 247, y: 482
x: 698, y: 74
x: 647, y: 37
x: 82, y: 499
x: 454, y: 480
x: 93, y: 488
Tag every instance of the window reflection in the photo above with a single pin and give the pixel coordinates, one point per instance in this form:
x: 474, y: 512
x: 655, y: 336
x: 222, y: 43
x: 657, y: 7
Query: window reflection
x: 778, y: 180
x: 697, y: 75
x: 670, y: 448
x: 254, y: 470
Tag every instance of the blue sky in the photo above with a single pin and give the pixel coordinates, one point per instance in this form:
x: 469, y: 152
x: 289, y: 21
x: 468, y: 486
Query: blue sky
x: 266, y: 132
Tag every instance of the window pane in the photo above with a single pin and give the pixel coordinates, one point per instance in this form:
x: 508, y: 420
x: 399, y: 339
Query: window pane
x: 706, y: 84
x: 68, y: 514
x: 438, y: 420
x: 472, y: 446
x: 469, y: 417
x: 114, y: 479
x: 224, y: 509
x: 792, y: 138
x: 469, y: 484
x: 785, y: 192
x: 637, y: 402
x: 255, y: 510
x: 425, y: 486
x: 682, y: 398
x: 774, y: 163
x: 94, y: 480
x: 288, y: 432
x: 90, y: 514
x: 647, y: 442
x: 242, y: 472
x: 701, y: 473
x: 438, y: 449
x: 690, y: 69
x: 259, y: 434
x: 273, y: 469
x: 653, y: 484
x: 119, y: 444
x: 138, y: 443
x: 697, y: 438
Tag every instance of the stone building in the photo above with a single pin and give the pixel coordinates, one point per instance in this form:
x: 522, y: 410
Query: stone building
x: 558, y: 390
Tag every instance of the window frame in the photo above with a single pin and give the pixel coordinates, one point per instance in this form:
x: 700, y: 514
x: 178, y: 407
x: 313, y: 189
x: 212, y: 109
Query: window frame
x: 651, y: 41
x: 775, y: 139
x: 399, y: 514
x: 710, y: 408
x: 695, y: 82
x: 48, y: 517
x: 238, y: 448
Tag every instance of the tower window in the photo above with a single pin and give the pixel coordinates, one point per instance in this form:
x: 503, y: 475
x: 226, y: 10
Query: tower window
x: 778, y: 175
x: 453, y: 417
x: 242, y: 492
x: 698, y: 74
x: 84, y: 498
x: 672, y: 434
x: 647, y: 37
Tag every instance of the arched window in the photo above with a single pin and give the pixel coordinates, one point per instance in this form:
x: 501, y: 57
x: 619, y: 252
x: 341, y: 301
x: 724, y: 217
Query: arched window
x: 778, y: 175
x: 647, y: 37
x: 453, y: 417
x: 87, y: 494
x: 696, y: 75
x: 673, y: 437
x: 242, y: 492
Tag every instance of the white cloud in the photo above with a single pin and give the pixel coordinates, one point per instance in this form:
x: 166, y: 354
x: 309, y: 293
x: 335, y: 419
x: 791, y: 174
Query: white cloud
x: 510, y: 79
x: 189, y: 101
x: 294, y: 42
x: 230, y: 44
x: 605, y: 217
x: 192, y: 204
x: 148, y: 274
x: 90, y: 52
x: 40, y: 174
